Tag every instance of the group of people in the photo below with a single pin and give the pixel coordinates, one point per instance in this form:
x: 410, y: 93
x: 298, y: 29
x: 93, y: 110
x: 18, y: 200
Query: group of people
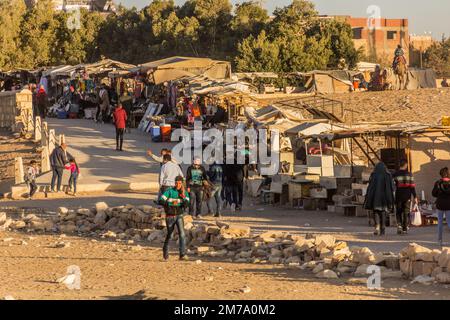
x: 219, y: 186
x: 386, y: 191
x: 60, y: 160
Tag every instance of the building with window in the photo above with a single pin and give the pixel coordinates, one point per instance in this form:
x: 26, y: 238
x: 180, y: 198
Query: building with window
x: 378, y: 38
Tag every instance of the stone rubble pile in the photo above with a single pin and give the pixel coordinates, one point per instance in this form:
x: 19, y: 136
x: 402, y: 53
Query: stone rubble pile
x: 322, y: 255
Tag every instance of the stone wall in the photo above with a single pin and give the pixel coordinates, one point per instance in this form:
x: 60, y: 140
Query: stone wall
x: 16, y: 111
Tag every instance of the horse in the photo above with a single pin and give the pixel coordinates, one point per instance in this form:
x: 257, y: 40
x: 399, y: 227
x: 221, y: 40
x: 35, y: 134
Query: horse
x: 400, y: 71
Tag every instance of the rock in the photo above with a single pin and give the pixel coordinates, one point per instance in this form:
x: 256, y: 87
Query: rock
x: 198, y: 261
x: 327, y: 274
x: 2, y: 217
x: 6, y: 224
x: 414, y: 251
x: 67, y: 228
x: 391, y: 274
x: 361, y: 271
x: 294, y: 259
x: 443, y: 278
x: 156, y: 235
x: 309, y: 265
x: 444, y: 258
x: 318, y: 268
x: 137, y: 238
x: 213, y: 230
x: 340, y: 246
x: 203, y: 249
x: 436, y: 271
x: 345, y: 269
x: 100, y: 207
x: 426, y: 280
x: 245, y: 289
x: 392, y: 262
x: 8, y: 298
x: 362, y: 255
x: 30, y: 217
x: 85, y: 212
x: 325, y: 240
x: 109, y: 235
x: 111, y: 224
x: 406, y: 267
x: 303, y: 245
x: 422, y: 268
x: 357, y: 281
x: 100, y: 218
x: 236, y: 230
x: 62, y: 211
x: 39, y: 225
x: 274, y: 260
x: 276, y: 253
x: 61, y: 244
x: 136, y: 248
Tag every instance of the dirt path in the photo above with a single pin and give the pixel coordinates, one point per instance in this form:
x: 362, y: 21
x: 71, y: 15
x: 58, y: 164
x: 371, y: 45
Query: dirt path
x: 116, y: 271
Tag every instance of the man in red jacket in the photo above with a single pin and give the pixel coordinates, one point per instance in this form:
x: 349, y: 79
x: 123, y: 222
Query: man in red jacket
x: 120, y: 119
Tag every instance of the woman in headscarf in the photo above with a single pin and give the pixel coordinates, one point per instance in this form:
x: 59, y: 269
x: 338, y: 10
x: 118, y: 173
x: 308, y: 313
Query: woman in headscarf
x: 42, y: 102
x: 380, y: 196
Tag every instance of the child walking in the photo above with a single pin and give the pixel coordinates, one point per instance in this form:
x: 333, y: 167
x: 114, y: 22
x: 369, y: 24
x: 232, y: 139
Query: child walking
x: 74, y: 173
x: 30, y: 178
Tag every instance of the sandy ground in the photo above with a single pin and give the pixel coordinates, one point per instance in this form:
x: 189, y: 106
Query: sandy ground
x: 116, y: 271
x: 10, y: 148
x: 424, y: 105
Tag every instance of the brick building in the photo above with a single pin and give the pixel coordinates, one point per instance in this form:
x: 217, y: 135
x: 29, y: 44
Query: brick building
x: 378, y: 38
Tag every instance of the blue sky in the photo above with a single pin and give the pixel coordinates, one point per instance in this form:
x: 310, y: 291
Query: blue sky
x: 425, y: 16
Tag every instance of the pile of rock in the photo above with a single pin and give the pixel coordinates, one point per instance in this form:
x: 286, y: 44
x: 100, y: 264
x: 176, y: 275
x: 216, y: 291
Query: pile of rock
x: 124, y: 221
x: 323, y: 255
x: 418, y: 261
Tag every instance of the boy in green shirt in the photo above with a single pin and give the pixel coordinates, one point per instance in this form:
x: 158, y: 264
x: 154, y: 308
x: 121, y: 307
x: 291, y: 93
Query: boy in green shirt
x: 175, y: 200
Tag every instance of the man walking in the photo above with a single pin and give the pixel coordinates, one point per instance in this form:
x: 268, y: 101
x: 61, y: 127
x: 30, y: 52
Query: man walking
x: 196, y: 175
x: 169, y: 172
x: 405, y: 190
x: 58, y: 160
x: 175, y: 200
x: 215, y: 174
x: 120, y: 120
x: 441, y: 192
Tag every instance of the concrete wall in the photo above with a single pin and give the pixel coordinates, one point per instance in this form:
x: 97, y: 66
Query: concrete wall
x: 16, y: 110
x: 429, y: 154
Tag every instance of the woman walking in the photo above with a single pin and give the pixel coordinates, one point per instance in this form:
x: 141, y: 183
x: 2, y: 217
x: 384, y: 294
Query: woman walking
x: 380, y: 196
x: 441, y: 192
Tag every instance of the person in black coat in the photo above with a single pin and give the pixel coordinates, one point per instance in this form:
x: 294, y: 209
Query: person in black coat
x: 441, y: 192
x: 380, y: 196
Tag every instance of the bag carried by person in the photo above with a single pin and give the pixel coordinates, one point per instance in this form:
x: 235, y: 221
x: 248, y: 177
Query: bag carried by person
x: 416, y: 216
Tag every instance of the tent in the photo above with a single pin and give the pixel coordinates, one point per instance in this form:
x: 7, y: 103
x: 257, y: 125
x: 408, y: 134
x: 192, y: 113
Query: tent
x: 99, y: 68
x: 175, y: 68
x: 415, y: 79
x: 270, y: 114
x: 335, y: 81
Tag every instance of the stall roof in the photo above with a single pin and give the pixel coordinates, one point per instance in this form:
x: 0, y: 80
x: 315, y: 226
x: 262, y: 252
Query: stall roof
x: 174, y: 68
x: 386, y: 129
x: 102, y: 66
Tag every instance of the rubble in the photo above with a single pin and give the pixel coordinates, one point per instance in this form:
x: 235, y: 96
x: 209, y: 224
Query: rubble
x: 321, y: 255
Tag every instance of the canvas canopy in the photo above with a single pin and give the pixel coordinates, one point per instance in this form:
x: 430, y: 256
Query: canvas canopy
x: 335, y: 81
x: 177, y: 67
x: 271, y: 113
x: 415, y: 79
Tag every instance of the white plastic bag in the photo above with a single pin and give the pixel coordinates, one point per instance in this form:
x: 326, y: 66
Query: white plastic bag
x: 416, y: 216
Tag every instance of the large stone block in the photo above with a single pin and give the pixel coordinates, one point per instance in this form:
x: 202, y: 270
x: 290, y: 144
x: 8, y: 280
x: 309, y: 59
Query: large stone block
x: 422, y: 268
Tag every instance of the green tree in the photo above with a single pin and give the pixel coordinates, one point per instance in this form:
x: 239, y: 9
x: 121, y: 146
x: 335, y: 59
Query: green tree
x: 11, y: 13
x: 437, y: 57
x: 76, y: 44
x: 214, y: 17
x: 249, y: 19
x: 37, y: 35
x: 296, y: 19
x: 258, y: 54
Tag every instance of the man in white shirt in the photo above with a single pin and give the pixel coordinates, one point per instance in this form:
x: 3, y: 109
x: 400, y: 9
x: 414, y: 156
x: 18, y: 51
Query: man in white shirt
x: 169, y: 172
